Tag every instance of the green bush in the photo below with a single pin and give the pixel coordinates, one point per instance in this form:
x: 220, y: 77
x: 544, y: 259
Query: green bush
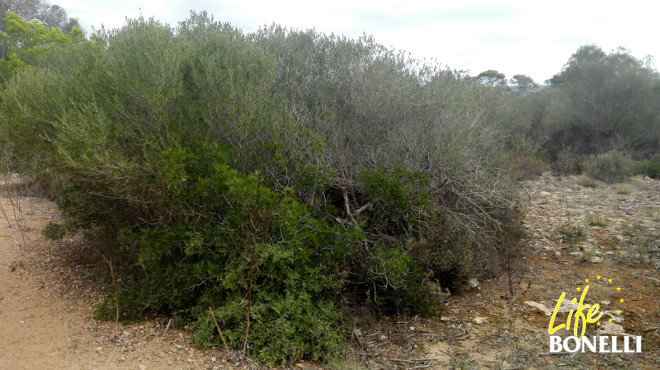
x: 53, y: 231
x: 610, y: 167
x: 399, y: 201
x: 281, y: 173
x: 652, y: 167
x: 254, y: 251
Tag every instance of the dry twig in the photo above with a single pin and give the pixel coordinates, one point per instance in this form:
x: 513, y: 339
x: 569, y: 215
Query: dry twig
x: 114, y: 287
x: 217, y: 326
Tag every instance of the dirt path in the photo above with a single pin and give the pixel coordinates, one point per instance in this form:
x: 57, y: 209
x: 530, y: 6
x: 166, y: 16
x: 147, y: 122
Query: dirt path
x: 48, y: 292
x: 46, y: 308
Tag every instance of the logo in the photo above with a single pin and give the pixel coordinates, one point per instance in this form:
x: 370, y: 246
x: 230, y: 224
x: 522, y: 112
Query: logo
x: 581, y: 315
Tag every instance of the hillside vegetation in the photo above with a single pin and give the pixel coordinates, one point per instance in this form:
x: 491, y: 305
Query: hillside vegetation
x: 278, y: 177
x: 261, y: 187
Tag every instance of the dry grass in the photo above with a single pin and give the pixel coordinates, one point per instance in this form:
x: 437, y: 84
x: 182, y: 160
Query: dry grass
x: 624, y: 189
x: 588, y: 182
x: 641, y: 184
x: 595, y: 220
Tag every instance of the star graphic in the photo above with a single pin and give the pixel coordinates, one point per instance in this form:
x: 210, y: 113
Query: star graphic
x: 598, y: 277
x: 610, y: 320
x: 578, y: 289
x: 618, y: 312
x: 618, y: 289
x: 621, y: 300
x: 609, y: 280
x: 587, y: 280
x: 598, y: 323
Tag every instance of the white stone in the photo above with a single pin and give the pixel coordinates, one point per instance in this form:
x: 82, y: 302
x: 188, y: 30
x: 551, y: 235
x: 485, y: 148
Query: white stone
x: 610, y: 328
x: 540, y: 307
x: 479, y: 320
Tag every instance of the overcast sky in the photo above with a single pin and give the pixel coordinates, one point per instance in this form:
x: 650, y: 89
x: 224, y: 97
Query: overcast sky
x: 527, y: 37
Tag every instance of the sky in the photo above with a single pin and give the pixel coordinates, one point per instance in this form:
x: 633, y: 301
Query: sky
x: 533, y: 38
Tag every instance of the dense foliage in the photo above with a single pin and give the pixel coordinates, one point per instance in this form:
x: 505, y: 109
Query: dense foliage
x: 599, y: 103
x: 275, y: 177
x: 23, y: 42
x: 283, y: 176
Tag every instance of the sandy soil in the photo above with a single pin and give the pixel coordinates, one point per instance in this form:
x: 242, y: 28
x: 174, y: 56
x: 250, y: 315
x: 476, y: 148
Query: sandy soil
x: 46, y: 307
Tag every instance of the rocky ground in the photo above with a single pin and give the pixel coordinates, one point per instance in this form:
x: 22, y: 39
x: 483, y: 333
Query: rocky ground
x: 577, y: 230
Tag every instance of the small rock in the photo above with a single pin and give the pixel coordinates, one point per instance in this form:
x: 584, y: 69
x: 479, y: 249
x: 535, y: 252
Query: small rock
x: 479, y: 320
x: 567, y: 306
x: 614, y: 316
x: 576, y: 254
x: 22, y: 322
x: 213, y: 359
x: 544, y: 194
x: 610, y: 328
x: 618, y: 360
x: 557, y: 254
x: 382, y: 337
x: 540, y: 307
x: 142, y: 367
x: 99, y: 349
x: 473, y: 283
x: 595, y: 259
x: 445, y: 318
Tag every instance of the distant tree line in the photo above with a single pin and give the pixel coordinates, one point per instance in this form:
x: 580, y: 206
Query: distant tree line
x: 599, y: 103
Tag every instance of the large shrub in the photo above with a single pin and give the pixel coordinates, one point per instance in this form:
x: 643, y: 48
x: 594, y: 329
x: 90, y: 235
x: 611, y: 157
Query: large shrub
x: 611, y: 167
x: 599, y: 102
x: 271, y: 176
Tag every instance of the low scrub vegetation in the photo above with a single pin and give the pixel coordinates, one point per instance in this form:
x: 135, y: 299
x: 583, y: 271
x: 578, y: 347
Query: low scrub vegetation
x: 611, y: 167
x: 276, y: 177
x: 595, y: 220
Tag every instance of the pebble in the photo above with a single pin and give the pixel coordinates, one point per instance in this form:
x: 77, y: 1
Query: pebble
x: 609, y: 328
x: 480, y: 320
